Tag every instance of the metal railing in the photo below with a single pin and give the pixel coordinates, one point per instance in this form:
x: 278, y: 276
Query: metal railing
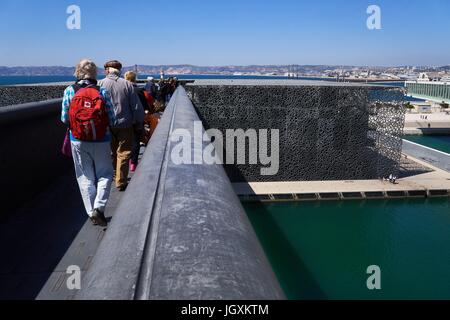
x: 434, y: 91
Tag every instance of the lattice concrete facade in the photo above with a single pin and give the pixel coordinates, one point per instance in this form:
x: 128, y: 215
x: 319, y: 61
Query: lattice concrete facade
x: 13, y: 95
x: 328, y: 131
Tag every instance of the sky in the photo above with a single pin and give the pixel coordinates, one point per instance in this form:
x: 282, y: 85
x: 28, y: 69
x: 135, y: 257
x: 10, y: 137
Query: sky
x: 225, y: 32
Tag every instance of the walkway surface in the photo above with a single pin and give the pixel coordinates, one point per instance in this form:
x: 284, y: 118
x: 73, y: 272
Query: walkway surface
x: 45, y: 236
x: 422, y: 169
x: 433, y: 123
x: 436, y: 158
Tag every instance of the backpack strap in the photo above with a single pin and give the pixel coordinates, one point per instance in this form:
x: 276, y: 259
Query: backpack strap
x: 77, y: 87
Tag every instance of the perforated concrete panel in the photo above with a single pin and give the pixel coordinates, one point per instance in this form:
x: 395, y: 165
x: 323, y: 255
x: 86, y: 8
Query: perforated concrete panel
x: 328, y: 131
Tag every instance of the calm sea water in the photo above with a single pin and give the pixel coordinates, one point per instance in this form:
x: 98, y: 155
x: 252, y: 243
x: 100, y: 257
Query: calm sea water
x: 14, y: 80
x: 441, y: 143
x: 321, y: 250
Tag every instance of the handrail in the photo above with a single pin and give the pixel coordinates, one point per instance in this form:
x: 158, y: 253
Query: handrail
x: 179, y: 232
x: 30, y: 130
x: 21, y: 112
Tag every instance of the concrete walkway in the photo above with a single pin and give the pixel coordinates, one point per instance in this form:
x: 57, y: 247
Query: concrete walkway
x: 435, y: 123
x: 433, y: 157
x: 435, y: 180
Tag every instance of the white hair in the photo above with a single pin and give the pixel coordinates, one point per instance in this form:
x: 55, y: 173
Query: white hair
x: 114, y: 71
x: 86, y: 69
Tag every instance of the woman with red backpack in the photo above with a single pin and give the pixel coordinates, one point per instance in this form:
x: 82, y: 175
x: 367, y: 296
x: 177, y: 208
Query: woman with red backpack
x: 88, y: 110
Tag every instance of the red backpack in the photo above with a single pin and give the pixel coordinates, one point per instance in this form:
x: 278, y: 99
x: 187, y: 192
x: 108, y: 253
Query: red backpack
x: 88, y: 116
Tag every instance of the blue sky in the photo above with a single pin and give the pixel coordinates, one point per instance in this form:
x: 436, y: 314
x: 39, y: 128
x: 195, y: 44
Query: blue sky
x: 225, y: 32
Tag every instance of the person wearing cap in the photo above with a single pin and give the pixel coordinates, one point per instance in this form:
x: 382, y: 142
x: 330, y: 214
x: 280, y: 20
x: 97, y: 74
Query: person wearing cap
x: 129, y: 118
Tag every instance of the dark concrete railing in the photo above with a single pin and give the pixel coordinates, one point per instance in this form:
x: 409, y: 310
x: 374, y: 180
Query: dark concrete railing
x: 179, y: 232
x: 31, y: 137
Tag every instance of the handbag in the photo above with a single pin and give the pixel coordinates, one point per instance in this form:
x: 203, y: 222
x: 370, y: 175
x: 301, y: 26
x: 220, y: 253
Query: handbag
x: 67, y: 147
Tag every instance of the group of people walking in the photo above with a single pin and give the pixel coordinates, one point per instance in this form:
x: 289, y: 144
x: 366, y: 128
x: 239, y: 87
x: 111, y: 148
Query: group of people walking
x: 108, y: 122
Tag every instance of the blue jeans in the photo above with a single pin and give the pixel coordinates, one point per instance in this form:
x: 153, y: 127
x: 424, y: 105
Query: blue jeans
x: 94, y: 172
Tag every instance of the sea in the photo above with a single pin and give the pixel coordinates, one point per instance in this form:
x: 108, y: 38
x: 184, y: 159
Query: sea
x: 18, y: 80
x: 321, y: 250
x: 25, y: 80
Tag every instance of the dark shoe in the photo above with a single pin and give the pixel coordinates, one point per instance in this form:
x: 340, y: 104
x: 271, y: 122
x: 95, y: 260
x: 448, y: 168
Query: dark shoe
x: 94, y: 221
x: 122, y: 188
x: 98, y: 218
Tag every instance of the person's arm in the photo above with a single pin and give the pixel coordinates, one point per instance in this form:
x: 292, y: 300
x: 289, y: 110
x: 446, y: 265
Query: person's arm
x: 69, y: 93
x: 109, y: 107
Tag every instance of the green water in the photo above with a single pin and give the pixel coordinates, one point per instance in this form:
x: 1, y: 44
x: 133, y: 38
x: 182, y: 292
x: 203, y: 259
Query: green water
x: 441, y: 143
x: 321, y: 250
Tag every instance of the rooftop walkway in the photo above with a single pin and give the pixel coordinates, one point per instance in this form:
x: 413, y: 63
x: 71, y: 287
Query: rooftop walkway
x: 173, y: 234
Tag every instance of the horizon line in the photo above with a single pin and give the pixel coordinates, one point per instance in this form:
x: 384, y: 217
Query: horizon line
x: 243, y: 65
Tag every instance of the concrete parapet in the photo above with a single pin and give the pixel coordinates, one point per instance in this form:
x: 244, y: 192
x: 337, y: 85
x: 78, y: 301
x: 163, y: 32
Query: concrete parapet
x: 31, y: 137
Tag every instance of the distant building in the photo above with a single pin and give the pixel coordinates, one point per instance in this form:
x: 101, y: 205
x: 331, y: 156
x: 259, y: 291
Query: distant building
x: 423, y: 77
x: 421, y: 107
x: 445, y: 79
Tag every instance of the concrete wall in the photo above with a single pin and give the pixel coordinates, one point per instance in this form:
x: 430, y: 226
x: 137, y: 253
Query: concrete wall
x: 328, y: 131
x: 31, y: 137
x: 14, y: 95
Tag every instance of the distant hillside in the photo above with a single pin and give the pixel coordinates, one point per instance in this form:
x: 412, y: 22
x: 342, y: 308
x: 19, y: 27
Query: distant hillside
x: 36, y: 71
x: 197, y: 70
x: 168, y: 69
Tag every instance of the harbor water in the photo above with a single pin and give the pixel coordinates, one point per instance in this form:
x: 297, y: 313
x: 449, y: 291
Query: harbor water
x: 321, y: 250
x: 441, y: 143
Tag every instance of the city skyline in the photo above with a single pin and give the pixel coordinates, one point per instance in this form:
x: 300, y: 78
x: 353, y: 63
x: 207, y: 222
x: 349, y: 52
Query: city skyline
x: 207, y: 33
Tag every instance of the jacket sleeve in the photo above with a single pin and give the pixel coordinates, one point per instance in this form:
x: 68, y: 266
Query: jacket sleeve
x: 67, y: 98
